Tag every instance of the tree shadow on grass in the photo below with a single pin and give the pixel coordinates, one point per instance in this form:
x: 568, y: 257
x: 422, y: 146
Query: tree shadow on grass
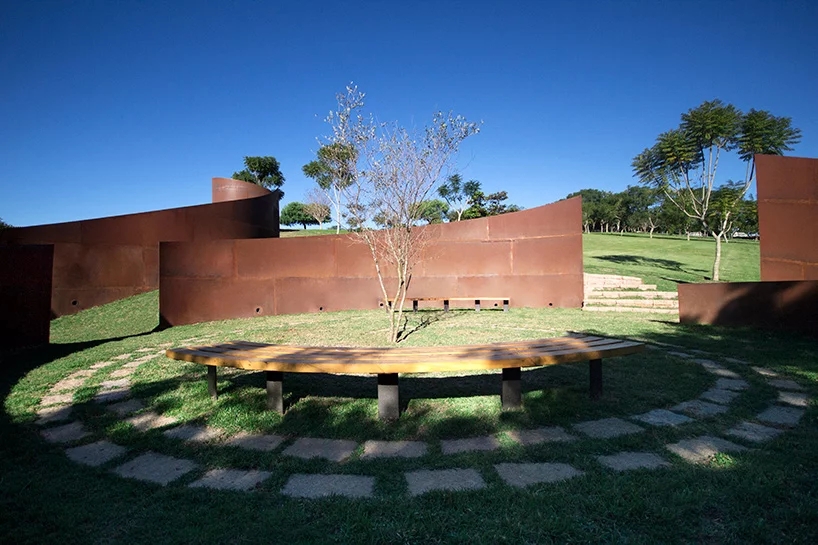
x: 665, y: 264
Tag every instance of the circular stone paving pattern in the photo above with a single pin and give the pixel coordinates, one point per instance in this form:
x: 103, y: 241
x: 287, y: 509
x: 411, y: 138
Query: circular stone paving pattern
x: 59, y: 425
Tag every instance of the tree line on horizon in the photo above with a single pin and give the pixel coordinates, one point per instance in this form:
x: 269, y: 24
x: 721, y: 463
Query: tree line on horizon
x: 640, y: 209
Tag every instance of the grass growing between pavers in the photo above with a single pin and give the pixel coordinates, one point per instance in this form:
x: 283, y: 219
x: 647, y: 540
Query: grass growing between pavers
x: 668, y: 260
x: 765, y: 494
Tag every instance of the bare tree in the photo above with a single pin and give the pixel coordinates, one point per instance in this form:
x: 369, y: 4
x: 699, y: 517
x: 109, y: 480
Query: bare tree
x: 318, y: 205
x: 391, y: 172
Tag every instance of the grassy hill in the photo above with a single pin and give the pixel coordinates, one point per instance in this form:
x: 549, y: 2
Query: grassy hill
x: 666, y: 260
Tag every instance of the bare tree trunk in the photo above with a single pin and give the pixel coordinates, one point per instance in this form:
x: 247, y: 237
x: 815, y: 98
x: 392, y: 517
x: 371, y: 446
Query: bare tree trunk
x: 717, y: 262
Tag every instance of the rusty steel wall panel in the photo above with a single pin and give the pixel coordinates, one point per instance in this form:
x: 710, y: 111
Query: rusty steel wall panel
x: 788, y: 217
x: 25, y: 294
x: 336, y: 272
x: 767, y: 305
x: 101, y: 260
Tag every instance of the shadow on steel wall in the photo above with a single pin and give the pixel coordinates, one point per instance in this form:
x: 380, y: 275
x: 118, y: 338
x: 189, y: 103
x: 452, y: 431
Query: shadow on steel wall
x: 787, y: 296
x: 533, y: 257
x: 101, y: 260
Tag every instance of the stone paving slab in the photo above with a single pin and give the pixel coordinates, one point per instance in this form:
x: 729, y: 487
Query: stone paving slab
x: 66, y: 433
x: 699, y: 408
x: 786, y: 384
x: 334, y: 450
x: 704, y: 448
x: 263, y: 443
x: 781, y: 416
x: 57, y: 399
x: 764, y: 372
x: 231, y: 479
x: 195, y: 434
x: 111, y: 396
x: 756, y: 433
x: 82, y: 373
x: 607, y: 428
x: 522, y: 475
x: 122, y: 373
x: 541, y: 435
x: 52, y: 414
x: 736, y: 360
x: 723, y: 372
x: 394, y: 449
x: 101, y: 364
x: 704, y: 362
x: 456, y: 446
x: 123, y: 357
x: 796, y: 399
x: 663, y: 417
x: 67, y: 384
x: 734, y: 384
x: 717, y: 395
x: 95, y: 454
x: 322, y: 486
x: 129, y: 406
x: 627, y: 461
x: 426, y: 480
x: 685, y: 355
x: 155, y: 468
x: 115, y: 384
x: 149, y: 420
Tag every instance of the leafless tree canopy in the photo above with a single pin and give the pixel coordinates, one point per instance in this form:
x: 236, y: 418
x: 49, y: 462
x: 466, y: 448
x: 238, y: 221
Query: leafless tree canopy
x: 391, y: 171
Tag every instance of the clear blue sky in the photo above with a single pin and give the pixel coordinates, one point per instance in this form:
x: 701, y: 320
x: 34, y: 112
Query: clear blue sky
x: 117, y: 107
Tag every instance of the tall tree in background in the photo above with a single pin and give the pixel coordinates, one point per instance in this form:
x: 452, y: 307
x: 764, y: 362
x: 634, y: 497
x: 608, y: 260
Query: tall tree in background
x: 394, y: 170
x: 295, y: 213
x: 263, y: 171
x: 318, y: 206
x: 333, y: 171
x: 457, y: 194
x: 683, y: 162
x: 3, y: 224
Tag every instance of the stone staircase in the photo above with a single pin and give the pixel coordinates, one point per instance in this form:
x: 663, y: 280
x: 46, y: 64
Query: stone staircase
x: 612, y: 293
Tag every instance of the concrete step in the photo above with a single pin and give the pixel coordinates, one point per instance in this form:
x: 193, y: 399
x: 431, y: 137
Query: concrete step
x: 595, y: 294
x: 641, y: 303
x: 633, y: 309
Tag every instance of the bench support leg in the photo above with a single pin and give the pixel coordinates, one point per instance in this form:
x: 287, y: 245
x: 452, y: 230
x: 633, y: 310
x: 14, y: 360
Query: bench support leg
x: 414, y: 305
x: 477, y: 305
x: 388, y: 396
x: 275, y: 391
x: 596, y: 378
x: 211, y: 382
x: 505, y: 305
x: 445, y: 305
x: 511, y: 395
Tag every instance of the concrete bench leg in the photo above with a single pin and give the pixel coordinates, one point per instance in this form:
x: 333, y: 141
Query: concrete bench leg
x: 596, y: 378
x: 211, y: 382
x: 512, y: 394
x: 275, y: 391
x: 477, y: 305
x: 388, y: 396
x: 414, y: 305
x: 445, y: 305
x: 505, y: 305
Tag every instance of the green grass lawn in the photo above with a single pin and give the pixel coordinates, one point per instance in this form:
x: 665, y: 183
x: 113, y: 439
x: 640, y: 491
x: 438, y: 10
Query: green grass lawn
x: 667, y: 260
x: 764, y: 495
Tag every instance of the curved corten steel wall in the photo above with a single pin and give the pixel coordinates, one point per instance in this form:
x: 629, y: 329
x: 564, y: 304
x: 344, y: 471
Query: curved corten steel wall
x: 101, y: 260
x: 788, y: 217
x: 534, y: 257
x: 788, y: 224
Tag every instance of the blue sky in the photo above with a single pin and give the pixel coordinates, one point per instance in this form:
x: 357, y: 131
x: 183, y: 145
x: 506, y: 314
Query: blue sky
x: 116, y: 107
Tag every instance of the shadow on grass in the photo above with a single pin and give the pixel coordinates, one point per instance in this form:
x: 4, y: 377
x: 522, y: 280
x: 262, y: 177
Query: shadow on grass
x: 664, y: 264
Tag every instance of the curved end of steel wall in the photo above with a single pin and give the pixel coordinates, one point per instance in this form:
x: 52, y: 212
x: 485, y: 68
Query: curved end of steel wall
x: 101, y: 260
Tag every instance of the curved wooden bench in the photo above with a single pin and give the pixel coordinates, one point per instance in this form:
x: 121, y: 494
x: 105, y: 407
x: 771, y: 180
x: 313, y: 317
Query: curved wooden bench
x: 387, y: 363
